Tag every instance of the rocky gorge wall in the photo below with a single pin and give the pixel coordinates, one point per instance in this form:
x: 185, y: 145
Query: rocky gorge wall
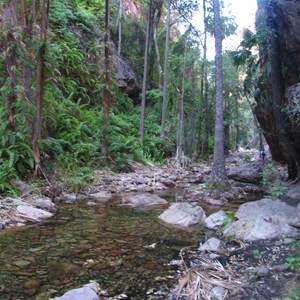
x: 278, y: 84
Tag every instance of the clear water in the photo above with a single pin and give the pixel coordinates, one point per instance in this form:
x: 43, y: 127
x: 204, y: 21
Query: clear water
x: 105, y: 243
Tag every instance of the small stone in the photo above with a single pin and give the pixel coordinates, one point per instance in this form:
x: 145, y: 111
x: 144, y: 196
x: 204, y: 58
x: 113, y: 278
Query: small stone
x: 22, y: 263
x: 262, y: 271
x: 280, y: 268
x: 218, y: 293
x: 212, y: 244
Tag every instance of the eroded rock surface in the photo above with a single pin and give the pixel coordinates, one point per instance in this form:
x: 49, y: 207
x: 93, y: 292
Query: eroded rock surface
x: 183, y: 214
x: 264, y: 219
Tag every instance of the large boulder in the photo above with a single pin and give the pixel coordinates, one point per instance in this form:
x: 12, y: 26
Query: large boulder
x: 250, y: 172
x: 183, y: 214
x: 264, y: 219
x: 143, y: 201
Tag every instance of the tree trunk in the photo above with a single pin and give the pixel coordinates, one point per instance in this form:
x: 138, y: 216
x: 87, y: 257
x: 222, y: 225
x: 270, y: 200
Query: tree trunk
x: 144, y: 88
x: 155, y: 27
x: 40, y: 85
x: 9, y: 46
x: 203, y: 94
x: 218, y: 171
x: 166, y: 67
x: 180, y: 158
x: 107, y: 82
x: 119, y: 25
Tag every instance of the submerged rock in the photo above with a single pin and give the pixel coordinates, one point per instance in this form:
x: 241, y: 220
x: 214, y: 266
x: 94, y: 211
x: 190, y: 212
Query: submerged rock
x: 183, y: 214
x: 143, y: 201
x: 264, y: 219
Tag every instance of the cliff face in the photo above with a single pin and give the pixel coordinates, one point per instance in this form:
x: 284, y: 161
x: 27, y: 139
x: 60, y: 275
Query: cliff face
x: 278, y: 86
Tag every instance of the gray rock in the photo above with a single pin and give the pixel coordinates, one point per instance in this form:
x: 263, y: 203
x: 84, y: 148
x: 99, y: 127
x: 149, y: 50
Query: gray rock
x: 280, y: 268
x: 143, y: 201
x: 218, y: 293
x: 84, y: 293
x: 69, y: 198
x: 183, y: 214
x: 262, y: 271
x: 101, y: 196
x: 246, y: 173
x: 264, y: 219
x: 211, y: 245
x: 30, y: 213
x: 294, y: 193
x: 215, y: 220
x: 45, y: 203
x: 93, y: 285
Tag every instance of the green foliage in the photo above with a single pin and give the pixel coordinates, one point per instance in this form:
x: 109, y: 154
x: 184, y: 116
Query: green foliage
x: 277, y: 191
x: 257, y: 254
x: 246, y: 158
x: 79, y: 180
x: 267, y: 174
x: 294, y: 294
x: 293, y: 261
x: 229, y: 218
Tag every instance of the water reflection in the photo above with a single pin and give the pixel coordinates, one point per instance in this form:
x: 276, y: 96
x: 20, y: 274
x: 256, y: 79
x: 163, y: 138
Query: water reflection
x: 105, y: 243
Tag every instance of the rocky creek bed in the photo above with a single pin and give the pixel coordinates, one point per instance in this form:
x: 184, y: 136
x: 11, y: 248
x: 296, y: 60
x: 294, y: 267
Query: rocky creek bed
x: 248, y: 268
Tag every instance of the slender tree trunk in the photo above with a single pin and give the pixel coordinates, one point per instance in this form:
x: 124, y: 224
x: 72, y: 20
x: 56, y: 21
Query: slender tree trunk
x: 144, y: 88
x: 107, y: 82
x: 179, y: 151
x: 166, y: 67
x: 9, y: 45
x: 237, y: 126
x: 218, y: 171
x: 119, y: 25
x: 155, y: 27
x: 206, y: 108
x: 40, y: 85
x: 203, y: 78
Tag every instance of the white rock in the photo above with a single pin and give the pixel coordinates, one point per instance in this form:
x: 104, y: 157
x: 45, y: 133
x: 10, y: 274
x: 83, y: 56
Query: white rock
x: 84, y: 293
x: 183, y: 214
x: 212, y: 244
x: 31, y: 213
x: 215, y: 220
x: 143, y: 200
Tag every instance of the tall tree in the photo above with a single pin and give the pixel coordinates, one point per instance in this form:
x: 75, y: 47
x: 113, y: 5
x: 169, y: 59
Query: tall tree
x: 107, y: 82
x: 144, y: 88
x: 157, y: 17
x: 9, y: 48
x: 40, y: 84
x: 218, y: 171
x: 119, y: 25
x: 166, y: 67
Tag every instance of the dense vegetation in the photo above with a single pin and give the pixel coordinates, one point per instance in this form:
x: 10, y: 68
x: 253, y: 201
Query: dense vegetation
x: 52, y: 85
